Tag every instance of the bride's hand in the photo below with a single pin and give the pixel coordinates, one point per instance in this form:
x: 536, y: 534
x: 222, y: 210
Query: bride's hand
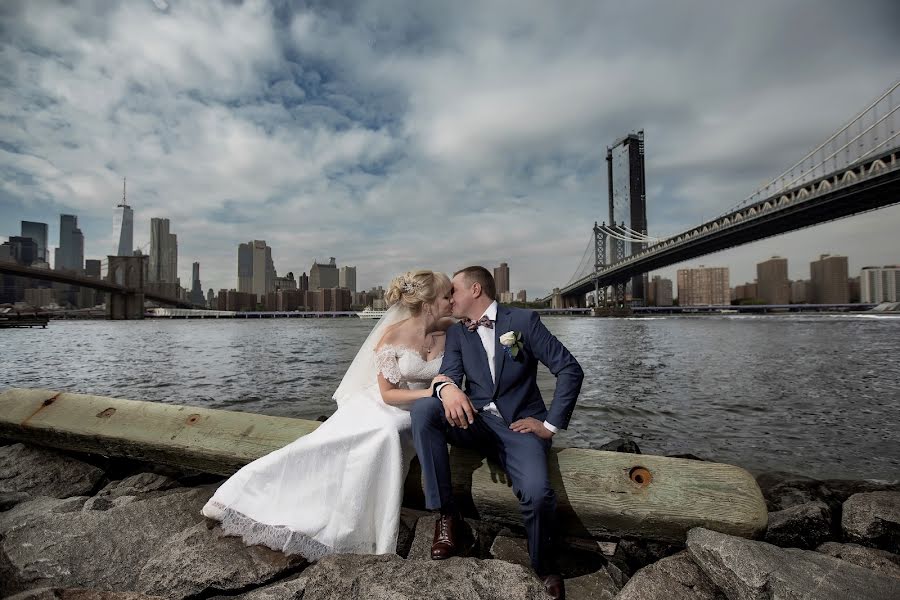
x: 440, y: 379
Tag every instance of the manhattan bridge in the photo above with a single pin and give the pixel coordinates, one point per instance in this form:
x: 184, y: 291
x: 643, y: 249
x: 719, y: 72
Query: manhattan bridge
x: 856, y: 169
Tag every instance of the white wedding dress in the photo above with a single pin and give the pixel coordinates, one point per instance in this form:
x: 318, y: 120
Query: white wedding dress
x: 338, y: 489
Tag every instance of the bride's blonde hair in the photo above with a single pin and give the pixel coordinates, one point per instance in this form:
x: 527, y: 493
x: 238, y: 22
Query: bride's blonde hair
x: 415, y: 289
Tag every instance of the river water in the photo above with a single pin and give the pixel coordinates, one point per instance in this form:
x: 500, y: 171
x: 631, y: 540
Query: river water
x: 811, y: 394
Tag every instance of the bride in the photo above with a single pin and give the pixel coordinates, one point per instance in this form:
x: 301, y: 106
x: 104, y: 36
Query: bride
x: 338, y: 489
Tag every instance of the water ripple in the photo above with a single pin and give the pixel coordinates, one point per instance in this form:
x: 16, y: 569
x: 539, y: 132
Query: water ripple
x: 815, y: 394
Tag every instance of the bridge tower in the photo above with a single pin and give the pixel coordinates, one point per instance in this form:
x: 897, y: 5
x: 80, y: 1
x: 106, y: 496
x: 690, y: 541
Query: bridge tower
x: 127, y: 271
x: 600, y: 241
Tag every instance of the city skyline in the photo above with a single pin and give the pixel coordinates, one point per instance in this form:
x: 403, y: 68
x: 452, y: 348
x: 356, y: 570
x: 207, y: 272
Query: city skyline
x: 453, y: 138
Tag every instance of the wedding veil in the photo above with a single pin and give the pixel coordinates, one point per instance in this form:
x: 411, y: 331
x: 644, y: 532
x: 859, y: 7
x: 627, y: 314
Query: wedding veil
x: 362, y: 372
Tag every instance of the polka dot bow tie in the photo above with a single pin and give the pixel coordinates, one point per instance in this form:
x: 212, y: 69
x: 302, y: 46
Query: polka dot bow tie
x: 482, y: 322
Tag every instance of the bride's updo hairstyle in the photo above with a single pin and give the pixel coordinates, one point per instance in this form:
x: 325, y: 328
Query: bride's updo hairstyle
x: 415, y: 289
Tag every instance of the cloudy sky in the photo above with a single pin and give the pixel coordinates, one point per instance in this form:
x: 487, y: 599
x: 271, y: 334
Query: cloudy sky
x: 397, y: 134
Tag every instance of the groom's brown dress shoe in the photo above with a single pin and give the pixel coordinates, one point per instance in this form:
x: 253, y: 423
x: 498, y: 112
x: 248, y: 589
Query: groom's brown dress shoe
x: 444, y: 545
x: 555, y: 587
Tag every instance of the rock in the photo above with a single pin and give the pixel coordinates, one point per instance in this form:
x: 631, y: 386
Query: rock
x: 594, y: 586
x: 198, y: 560
x: 68, y: 505
x: 686, y: 456
x: 574, y: 562
x: 389, y: 577
x: 621, y: 445
x: 675, y: 577
x: 42, y: 472
x: 601, y: 579
x: 407, y: 530
x: 879, y: 561
x: 79, y: 594
x: 97, y: 503
x: 784, y: 490
x: 873, y: 519
x: 803, y: 526
x: 43, y: 543
x: 633, y: 554
x: 511, y: 550
x: 424, y: 536
x: 291, y: 588
x: 751, y: 570
x: 10, y: 499
x: 139, y: 485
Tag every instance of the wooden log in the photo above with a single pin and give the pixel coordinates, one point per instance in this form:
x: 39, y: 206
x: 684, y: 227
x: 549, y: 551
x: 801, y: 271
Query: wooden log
x: 599, y: 492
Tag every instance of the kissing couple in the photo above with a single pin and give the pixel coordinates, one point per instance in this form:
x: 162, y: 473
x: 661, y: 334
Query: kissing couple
x: 421, y: 380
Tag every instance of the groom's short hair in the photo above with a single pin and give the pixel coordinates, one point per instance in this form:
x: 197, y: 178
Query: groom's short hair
x: 482, y: 277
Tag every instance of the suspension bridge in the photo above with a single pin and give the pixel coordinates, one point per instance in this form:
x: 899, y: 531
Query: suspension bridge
x: 856, y: 169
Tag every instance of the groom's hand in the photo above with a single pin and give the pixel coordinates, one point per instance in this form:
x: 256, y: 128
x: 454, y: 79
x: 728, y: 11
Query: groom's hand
x: 457, y: 407
x: 532, y: 425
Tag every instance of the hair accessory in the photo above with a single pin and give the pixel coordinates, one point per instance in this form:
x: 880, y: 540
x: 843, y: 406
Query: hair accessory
x: 411, y: 286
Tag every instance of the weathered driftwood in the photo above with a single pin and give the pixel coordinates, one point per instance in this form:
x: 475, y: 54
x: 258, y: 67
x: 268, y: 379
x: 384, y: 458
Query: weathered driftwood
x: 599, y: 492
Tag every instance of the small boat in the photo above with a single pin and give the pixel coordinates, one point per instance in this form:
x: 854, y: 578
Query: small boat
x: 370, y: 313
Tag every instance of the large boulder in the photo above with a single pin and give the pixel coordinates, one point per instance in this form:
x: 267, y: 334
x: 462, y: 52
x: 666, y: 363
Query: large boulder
x: 203, y: 561
x: 880, y: 561
x: 784, y: 490
x: 42, y: 472
x: 750, y: 570
x: 389, y: 577
x: 873, y: 519
x: 675, y: 577
x: 52, y: 543
x: 802, y: 526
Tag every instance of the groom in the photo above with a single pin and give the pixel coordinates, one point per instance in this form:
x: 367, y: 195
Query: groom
x: 499, y: 413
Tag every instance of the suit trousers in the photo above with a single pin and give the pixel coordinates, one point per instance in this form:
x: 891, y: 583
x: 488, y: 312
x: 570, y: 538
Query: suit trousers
x: 522, y: 455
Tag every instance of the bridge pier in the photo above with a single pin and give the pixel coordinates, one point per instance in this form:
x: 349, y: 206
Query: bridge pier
x: 129, y: 272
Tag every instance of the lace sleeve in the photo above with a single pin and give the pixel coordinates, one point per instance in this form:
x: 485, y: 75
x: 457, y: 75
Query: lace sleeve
x: 387, y: 365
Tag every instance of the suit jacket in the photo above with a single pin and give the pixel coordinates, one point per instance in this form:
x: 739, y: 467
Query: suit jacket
x: 515, y: 392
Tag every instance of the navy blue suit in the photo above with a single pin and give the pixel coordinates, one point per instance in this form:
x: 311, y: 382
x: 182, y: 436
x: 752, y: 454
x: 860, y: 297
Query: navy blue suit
x: 516, y: 396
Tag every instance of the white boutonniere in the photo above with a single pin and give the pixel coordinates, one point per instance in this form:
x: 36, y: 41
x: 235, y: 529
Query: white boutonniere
x: 512, y: 342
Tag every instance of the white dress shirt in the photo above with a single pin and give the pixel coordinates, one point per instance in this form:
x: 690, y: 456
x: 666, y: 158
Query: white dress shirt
x: 487, y: 340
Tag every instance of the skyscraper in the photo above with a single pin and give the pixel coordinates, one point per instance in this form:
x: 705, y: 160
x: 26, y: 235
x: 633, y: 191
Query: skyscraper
x: 323, y: 276
x: 196, y: 288
x: 703, y: 286
x: 772, y: 284
x: 659, y: 291
x: 23, y: 250
x: 256, y: 271
x: 879, y: 284
x: 70, y: 253
x: 347, y: 278
x: 37, y: 232
x: 501, y: 278
x: 828, y: 279
x: 163, y: 253
x: 123, y: 227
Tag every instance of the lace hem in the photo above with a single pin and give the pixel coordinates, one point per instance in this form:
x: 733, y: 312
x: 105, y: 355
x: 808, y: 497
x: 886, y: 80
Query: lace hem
x: 276, y: 537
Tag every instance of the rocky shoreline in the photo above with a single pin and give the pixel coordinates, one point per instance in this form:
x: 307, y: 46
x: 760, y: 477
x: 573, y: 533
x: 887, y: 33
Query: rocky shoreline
x: 88, y: 527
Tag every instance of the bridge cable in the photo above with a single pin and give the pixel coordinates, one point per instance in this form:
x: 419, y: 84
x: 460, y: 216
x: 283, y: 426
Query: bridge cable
x: 817, y: 148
